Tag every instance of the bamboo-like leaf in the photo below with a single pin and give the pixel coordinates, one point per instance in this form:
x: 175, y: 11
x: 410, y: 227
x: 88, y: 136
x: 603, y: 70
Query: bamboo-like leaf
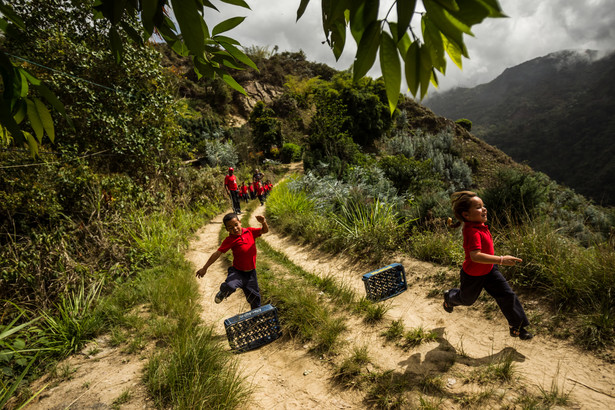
x: 448, y: 4
x: 191, y: 25
x: 433, y: 41
x: 238, y: 54
x: 444, y: 22
x: 302, y: 6
x: 240, y: 3
x: 203, y: 67
x: 24, y: 84
x: 210, y: 5
x: 32, y: 145
x: 116, y: 44
x: 22, y: 109
x: 413, y: 67
x: 33, y: 80
x: 51, y: 98
x: 391, y: 69
x: 425, y: 70
x: 132, y: 33
x: 35, y: 120
x: 494, y: 8
x: 225, y: 39
x: 405, y: 11
x: 9, y: 13
x: 453, y: 51
x: 8, y: 122
x: 234, y: 84
x: 149, y: 9
x: 46, y: 119
x: 227, y: 25
x: 367, y: 50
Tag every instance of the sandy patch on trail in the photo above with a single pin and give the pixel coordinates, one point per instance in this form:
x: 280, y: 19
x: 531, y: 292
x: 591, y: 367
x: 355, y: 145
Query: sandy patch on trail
x: 94, y: 379
x: 466, y: 332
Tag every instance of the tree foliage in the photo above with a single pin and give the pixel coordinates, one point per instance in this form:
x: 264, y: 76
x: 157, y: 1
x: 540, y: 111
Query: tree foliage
x: 443, y: 24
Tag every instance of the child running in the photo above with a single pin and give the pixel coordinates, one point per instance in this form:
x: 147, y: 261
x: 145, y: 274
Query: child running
x: 242, y: 274
x: 480, y: 268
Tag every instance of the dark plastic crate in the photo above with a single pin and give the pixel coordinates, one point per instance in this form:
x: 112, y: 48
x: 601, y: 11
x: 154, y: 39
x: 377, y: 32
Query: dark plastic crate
x: 385, y: 282
x: 253, y: 329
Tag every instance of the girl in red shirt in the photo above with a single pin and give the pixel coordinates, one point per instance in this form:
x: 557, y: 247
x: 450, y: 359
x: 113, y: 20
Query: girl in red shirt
x: 480, y: 267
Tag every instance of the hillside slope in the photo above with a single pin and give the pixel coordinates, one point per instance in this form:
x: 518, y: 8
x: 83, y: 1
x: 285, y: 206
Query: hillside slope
x: 554, y: 112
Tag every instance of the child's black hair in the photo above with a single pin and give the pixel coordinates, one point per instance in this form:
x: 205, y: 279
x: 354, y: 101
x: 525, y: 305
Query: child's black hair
x: 229, y: 217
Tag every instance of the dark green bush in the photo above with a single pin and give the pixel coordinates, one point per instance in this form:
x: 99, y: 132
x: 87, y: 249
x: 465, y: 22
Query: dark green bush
x: 266, y: 128
x: 290, y: 153
x: 515, y: 195
x: 465, y: 123
x: 408, y: 174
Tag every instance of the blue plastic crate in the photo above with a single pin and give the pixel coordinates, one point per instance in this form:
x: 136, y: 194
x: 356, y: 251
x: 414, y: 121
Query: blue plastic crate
x: 253, y: 329
x: 385, y: 282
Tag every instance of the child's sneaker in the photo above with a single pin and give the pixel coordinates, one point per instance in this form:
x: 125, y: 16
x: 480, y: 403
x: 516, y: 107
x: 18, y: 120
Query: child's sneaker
x: 219, y: 297
x: 446, y: 304
x: 521, y: 333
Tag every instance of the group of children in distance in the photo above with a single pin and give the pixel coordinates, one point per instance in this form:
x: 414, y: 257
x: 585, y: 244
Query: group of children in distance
x: 255, y: 189
x: 480, y: 268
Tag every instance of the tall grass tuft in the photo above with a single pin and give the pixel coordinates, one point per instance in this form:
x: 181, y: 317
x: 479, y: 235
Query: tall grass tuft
x: 576, y: 278
x: 195, y: 373
x: 368, y: 227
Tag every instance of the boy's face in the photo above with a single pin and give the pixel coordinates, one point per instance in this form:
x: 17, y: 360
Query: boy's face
x: 233, y: 226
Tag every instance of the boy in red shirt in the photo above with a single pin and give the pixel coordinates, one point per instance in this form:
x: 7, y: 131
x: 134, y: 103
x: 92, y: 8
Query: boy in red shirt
x: 244, y: 192
x: 232, y: 189
x: 242, y: 274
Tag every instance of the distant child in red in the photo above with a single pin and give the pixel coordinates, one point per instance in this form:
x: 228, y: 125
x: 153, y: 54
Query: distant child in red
x: 230, y: 185
x: 244, y: 192
x: 480, y: 269
x: 251, y: 190
x: 243, y: 272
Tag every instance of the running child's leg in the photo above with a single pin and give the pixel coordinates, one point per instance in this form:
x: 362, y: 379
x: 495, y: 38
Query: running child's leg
x: 234, y: 280
x: 469, y: 290
x: 251, y: 290
x: 497, y: 286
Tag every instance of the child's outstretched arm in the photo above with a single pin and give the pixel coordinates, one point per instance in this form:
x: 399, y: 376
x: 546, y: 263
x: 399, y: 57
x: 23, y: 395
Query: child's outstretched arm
x: 263, y: 221
x: 506, y: 260
x: 214, y: 257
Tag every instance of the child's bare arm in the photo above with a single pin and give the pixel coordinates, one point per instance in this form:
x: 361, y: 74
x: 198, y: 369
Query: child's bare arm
x: 506, y: 260
x: 214, y: 257
x: 263, y: 221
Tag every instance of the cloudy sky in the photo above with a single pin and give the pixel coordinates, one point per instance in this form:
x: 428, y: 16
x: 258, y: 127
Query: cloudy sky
x: 534, y: 28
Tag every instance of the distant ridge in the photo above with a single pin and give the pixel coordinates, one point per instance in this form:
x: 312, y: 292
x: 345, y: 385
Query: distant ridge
x: 555, y: 112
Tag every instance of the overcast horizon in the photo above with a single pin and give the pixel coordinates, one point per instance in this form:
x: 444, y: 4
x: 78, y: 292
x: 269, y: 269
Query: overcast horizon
x: 532, y: 29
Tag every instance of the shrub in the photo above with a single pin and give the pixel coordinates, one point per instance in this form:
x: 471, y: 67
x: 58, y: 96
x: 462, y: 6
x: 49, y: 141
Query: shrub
x: 220, y: 153
x: 465, y: 123
x: 266, y: 129
x: 408, y: 174
x: 290, y: 153
x: 515, y: 194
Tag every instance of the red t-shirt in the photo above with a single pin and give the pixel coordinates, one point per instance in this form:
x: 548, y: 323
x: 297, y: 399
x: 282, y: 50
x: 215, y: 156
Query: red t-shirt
x: 244, y: 248
x: 250, y: 188
x: 231, y: 182
x: 244, y: 189
x: 476, y: 237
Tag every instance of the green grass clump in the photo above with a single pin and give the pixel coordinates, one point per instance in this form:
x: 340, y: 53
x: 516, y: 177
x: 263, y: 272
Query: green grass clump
x: 417, y: 336
x: 350, y: 372
x: 395, y: 331
x: 195, y: 372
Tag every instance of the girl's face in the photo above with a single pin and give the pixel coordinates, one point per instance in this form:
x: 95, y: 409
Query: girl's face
x: 477, y: 211
x: 233, y: 226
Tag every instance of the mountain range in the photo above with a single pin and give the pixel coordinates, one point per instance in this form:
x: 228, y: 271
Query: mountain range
x: 556, y: 113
